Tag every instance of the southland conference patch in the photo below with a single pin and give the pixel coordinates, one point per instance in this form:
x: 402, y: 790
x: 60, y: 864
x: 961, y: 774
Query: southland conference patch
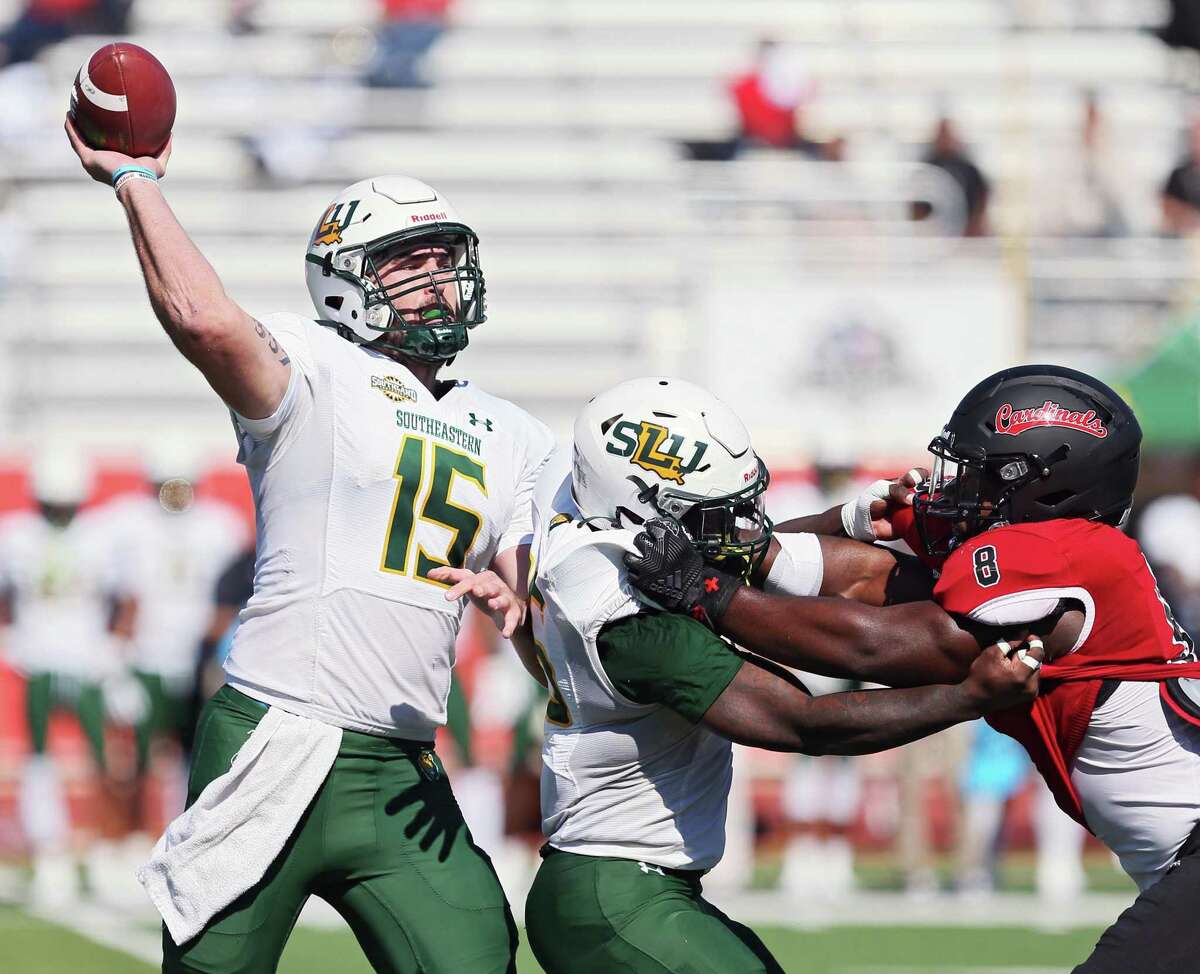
x: 393, y: 388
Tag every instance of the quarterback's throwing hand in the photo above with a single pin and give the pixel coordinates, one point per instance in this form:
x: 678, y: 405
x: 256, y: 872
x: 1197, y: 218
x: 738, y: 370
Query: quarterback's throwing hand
x: 489, y: 593
x: 670, y: 571
x: 100, y: 164
x: 1005, y: 676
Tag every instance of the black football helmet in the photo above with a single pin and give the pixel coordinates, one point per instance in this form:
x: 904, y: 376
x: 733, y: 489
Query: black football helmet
x: 1033, y: 443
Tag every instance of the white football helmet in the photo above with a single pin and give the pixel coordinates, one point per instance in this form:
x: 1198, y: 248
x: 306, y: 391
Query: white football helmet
x: 61, y: 477
x: 664, y: 446
x: 369, y: 220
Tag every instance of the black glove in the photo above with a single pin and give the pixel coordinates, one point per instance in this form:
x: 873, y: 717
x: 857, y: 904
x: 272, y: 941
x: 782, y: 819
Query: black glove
x: 672, y: 572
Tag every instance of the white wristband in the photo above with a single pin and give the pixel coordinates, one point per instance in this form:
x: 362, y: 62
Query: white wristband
x: 798, y: 568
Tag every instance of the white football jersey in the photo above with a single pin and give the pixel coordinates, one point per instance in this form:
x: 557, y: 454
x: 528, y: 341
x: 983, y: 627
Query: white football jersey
x: 179, y: 557
x: 363, y: 482
x: 62, y: 581
x: 619, y: 778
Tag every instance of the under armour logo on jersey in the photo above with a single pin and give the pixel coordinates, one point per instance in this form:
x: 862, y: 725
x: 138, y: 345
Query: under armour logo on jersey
x: 484, y: 422
x: 646, y: 868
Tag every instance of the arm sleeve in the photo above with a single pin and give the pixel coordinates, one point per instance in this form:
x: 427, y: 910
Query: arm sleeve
x: 798, y: 567
x: 520, y: 526
x: 291, y: 331
x: 655, y: 658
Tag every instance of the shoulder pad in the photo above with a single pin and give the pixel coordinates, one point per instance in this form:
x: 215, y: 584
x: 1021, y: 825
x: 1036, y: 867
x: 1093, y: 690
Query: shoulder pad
x: 583, y: 572
x: 1007, y: 561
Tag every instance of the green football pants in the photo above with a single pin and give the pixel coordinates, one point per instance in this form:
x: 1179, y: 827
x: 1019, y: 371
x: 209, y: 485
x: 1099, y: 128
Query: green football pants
x: 383, y: 842
x: 166, y: 713
x: 592, y: 915
x: 47, y: 692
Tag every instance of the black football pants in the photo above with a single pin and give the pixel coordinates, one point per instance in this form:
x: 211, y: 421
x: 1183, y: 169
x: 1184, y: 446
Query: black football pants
x: 1160, y: 932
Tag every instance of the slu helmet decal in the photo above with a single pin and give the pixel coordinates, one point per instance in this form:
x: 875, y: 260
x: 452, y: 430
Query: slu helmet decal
x: 643, y: 443
x: 329, y: 230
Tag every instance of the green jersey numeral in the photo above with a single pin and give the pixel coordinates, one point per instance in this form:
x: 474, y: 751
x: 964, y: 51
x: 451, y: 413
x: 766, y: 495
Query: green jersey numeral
x: 462, y: 522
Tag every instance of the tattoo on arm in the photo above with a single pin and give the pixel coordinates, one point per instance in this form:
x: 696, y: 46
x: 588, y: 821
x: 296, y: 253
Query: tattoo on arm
x: 261, y: 330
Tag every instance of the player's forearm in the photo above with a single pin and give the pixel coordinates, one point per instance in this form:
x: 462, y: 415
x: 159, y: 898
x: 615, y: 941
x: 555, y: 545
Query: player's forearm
x: 866, y: 721
x: 908, y: 645
x: 827, y: 522
x: 766, y: 706
x: 185, y: 292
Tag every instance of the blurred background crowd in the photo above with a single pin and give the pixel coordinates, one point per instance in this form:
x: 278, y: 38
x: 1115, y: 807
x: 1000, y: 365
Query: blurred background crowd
x: 838, y: 214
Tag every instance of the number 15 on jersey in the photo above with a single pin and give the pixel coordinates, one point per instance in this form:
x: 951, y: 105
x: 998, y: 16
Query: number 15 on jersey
x: 424, y: 480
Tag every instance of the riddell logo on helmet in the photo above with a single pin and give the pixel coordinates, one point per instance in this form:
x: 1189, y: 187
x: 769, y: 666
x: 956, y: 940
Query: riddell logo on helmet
x: 1013, y: 422
x: 426, y: 217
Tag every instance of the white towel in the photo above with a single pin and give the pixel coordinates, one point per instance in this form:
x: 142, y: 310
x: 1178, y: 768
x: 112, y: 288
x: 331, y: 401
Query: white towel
x: 225, y: 842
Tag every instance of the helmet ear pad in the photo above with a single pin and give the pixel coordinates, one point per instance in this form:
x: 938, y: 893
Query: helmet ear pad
x: 342, y: 298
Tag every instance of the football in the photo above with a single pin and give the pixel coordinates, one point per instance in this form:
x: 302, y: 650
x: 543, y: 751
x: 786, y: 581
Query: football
x: 123, y: 100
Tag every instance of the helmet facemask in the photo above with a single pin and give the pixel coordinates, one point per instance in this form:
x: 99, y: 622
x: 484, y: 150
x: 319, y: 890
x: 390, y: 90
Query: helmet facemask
x: 444, y: 331
x: 732, y: 531
x: 970, y: 491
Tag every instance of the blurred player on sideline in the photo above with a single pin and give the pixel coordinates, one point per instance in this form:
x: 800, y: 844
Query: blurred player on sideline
x: 69, y: 614
x: 371, y: 477
x: 181, y: 546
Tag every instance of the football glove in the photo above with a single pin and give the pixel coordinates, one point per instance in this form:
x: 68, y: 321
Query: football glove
x: 671, y: 572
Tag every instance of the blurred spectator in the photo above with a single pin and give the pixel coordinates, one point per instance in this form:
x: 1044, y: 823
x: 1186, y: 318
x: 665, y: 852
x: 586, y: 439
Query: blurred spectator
x: 408, y: 31
x: 771, y: 99
x: 948, y: 153
x: 996, y: 769
x: 1167, y: 531
x: 45, y: 22
x: 241, y: 17
x: 230, y: 593
x: 1181, y: 194
x: 1182, y: 29
x: 934, y: 759
x: 820, y: 799
x: 1087, y: 201
x: 1059, y: 875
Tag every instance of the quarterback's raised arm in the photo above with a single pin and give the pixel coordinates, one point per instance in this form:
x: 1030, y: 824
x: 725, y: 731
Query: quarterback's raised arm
x: 236, y: 354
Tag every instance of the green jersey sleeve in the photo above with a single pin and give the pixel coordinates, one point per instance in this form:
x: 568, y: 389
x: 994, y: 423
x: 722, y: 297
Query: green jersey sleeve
x: 669, y: 660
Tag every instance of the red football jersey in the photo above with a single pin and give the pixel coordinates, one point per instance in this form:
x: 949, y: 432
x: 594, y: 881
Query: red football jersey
x: 1017, y: 574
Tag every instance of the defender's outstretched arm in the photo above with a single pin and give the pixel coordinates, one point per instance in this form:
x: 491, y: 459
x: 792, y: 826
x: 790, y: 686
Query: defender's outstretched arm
x: 766, y: 707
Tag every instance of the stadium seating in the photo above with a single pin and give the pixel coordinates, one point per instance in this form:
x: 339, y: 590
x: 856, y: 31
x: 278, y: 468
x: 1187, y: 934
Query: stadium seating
x: 554, y: 125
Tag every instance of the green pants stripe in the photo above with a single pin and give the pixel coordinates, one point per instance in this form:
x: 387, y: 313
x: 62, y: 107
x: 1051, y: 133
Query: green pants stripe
x: 592, y: 915
x: 383, y: 842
